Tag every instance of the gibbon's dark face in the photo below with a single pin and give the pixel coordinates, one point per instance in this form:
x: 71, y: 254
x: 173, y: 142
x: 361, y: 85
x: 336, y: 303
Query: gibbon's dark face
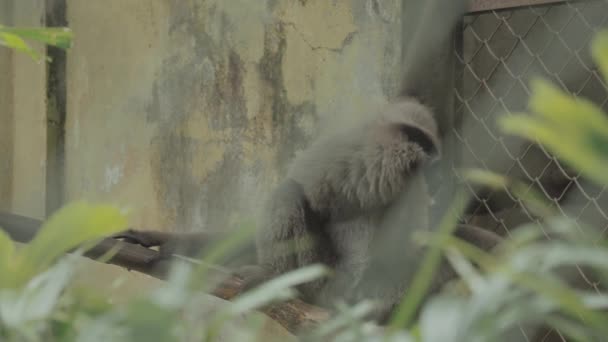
x: 404, y: 141
x: 415, y: 122
x: 417, y: 136
x: 402, y: 149
x: 370, y: 163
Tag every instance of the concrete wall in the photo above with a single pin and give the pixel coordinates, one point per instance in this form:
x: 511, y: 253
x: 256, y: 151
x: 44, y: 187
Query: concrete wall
x: 189, y: 111
x: 6, y: 112
x: 22, y: 118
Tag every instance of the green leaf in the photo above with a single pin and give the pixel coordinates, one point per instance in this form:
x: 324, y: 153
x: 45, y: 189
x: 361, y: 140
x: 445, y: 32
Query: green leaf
x: 69, y: 228
x: 219, y: 250
x: 15, y: 42
x: 445, y: 312
x: 346, y: 316
x: 60, y: 37
x: 422, y: 280
x: 522, y: 269
x: 534, y: 201
x: 7, y: 255
x: 560, y: 109
x: 276, y: 289
x: 465, y: 269
x: 487, y: 178
x: 556, y: 254
x: 572, y: 128
x: 148, y: 321
x: 37, y: 299
x: 13, y: 37
x: 580, y: 147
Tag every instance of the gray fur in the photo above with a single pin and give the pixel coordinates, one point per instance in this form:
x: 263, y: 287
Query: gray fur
x: 366, y: 166
x: 336, y: 197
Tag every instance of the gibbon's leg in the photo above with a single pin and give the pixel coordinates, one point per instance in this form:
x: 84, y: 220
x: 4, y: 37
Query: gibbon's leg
x: 293, y: 236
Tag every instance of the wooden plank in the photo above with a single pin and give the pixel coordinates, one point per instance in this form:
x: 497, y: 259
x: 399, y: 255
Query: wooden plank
x: 476, y: 6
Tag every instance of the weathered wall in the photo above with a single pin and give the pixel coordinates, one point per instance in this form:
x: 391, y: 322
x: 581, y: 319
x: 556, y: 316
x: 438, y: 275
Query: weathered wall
x: 188, y: 111
x: 22, y: 118
x: 6, y: 112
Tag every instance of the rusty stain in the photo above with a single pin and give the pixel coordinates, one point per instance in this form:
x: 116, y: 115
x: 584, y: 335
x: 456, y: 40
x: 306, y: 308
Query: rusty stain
x: 190, y: 188
x: 289, y: 136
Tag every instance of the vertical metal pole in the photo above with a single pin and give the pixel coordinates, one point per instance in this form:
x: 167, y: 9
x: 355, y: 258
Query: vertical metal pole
x: 56, y: 15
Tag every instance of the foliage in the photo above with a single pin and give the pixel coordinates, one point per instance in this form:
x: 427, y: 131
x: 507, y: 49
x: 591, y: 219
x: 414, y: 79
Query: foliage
x: 32, y: 277
x: 557, y: 115
x: 523, y: 283
x: 37, y: 302
x: 14, y: 38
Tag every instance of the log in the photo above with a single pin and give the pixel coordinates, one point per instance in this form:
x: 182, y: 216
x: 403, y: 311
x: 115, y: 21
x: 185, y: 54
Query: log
x: 479, y: 6
x: 294, y: 314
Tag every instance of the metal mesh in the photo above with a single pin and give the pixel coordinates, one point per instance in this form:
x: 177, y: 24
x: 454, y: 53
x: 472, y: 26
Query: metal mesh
x: 499, y: 53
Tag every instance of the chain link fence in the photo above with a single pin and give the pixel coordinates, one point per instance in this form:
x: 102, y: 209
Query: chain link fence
x: 497, y: 55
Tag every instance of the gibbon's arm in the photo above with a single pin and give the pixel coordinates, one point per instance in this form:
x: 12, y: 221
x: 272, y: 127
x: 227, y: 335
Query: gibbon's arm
x: 187, y: 244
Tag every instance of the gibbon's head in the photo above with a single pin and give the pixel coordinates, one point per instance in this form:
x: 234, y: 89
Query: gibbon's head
x: 402, y: 138
x: 410, y: 120
x: 371, y: 163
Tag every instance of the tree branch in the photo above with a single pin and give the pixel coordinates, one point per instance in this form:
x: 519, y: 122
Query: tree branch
x: 293, y: 314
